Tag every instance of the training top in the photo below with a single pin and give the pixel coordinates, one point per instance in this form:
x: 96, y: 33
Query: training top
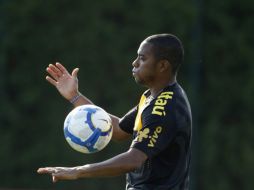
x: 161, y: 128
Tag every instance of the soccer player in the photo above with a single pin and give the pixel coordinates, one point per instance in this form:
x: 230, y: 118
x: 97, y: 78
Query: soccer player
x: 160, y: 125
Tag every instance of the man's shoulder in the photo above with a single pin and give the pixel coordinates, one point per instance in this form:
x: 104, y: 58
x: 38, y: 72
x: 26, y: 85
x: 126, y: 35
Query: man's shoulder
x: 162, y: 102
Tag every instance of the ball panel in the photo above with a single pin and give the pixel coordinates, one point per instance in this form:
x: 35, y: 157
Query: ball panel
x: 102, y: 141
x: 102, y: 120
x: 77, y: 147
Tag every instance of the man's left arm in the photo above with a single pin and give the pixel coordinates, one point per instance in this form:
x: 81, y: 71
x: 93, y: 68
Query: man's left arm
x: 115, y: 166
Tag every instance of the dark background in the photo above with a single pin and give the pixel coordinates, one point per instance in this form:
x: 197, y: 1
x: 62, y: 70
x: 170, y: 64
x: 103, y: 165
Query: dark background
x: 102, y: 38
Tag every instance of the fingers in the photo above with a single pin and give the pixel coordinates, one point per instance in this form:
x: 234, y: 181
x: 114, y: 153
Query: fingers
x: 55, y: 69
x: 51, y: 81
x: 57, y: 173
x: 58, y: 70
x: 64, y: 70
x: 61, y: 68
x: 53, y: 72
x: 47, y: 170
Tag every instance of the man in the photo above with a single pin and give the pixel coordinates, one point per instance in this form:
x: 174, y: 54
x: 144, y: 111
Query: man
x: 159, y: 156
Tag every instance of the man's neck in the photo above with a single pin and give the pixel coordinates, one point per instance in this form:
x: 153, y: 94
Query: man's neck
x: 157, y: 88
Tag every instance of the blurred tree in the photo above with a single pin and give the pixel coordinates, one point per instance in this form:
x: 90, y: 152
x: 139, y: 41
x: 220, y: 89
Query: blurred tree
x: 99, y: 37
x: 226, y: 148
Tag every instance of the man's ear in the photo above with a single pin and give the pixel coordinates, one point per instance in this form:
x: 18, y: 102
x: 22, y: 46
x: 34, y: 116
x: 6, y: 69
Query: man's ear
x: 164, y: 65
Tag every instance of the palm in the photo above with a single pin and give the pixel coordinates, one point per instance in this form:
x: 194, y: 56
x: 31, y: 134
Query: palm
x: 66, y: 84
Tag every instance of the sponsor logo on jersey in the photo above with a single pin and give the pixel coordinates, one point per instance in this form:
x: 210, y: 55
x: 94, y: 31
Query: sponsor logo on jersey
x: 161, y: 101
x: 144, y: 134
x: 154, y: 137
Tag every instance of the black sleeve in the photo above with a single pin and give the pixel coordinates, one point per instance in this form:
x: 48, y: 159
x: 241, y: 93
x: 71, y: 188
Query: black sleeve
x: 127, y: 121
x: 157, y: 131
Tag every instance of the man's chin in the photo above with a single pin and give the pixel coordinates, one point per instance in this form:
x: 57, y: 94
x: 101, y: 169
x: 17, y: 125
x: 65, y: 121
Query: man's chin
x: 140, y: 82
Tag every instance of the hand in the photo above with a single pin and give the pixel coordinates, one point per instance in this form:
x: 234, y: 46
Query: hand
x: 66, y: 84
x: 60, y: 173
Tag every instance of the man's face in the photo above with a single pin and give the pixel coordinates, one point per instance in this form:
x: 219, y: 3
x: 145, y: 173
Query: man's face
x: 144, y: 66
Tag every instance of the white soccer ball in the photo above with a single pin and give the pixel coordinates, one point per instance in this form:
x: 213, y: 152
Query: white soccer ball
x: 88, y: 128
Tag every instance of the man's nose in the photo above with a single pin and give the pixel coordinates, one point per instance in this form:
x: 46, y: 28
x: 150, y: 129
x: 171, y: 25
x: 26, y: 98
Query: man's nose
x: 135, y: 63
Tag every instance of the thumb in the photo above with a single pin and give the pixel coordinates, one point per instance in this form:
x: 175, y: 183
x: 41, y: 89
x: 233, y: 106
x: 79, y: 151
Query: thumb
x: 75, y: 72
x: 54, y: 179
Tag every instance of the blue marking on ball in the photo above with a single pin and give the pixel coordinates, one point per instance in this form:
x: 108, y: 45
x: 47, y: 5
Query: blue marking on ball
x: 89, y: 143
x: 90, y: 111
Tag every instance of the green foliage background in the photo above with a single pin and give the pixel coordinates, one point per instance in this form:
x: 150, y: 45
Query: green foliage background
x: 101, y: 38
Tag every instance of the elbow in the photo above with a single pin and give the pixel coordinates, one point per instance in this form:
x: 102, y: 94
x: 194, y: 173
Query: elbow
x: 136, y: 165
x: 131, y: 166
x: 137, y: 159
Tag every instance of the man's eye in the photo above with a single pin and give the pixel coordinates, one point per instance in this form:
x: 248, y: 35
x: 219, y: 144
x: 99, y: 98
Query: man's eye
x: 141, y: 58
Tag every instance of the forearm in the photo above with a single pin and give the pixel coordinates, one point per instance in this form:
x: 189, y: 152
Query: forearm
x: 118, y: 165
x: 115, y: 166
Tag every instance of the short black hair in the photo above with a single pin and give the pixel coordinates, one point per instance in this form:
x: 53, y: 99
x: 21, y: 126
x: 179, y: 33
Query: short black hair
x: 169, y: 47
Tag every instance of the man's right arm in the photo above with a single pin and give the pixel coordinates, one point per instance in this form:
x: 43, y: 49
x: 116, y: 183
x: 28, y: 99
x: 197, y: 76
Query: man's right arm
x: 67, y: 86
